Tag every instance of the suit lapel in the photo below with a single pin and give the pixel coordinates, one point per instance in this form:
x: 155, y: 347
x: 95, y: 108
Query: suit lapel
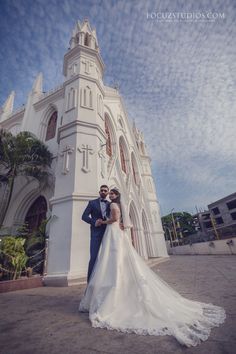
x: 108, y: 209
x: 98, y: 205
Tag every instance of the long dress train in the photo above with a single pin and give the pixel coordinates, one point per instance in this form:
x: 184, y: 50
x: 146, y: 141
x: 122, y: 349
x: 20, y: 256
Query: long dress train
x: 126, y: 295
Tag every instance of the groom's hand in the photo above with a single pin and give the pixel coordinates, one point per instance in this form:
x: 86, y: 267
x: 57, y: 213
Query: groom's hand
x: 98, y: 222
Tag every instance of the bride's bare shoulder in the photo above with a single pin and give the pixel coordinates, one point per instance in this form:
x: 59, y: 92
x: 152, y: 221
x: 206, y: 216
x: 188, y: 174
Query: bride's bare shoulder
x: 114, y: 206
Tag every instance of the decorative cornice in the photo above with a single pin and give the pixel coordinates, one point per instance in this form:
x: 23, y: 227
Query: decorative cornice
x: 87, y: 78
x: 81, y: 124
x: 72, y: 197
x: 157, y: 233
x: 145, y: 157
x: 146, y: 175
x: 152, y: 200
x: 14, y: 117
x: 111, y: 93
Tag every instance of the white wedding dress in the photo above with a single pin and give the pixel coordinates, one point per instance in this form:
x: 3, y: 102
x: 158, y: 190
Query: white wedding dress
x: 126, y: 295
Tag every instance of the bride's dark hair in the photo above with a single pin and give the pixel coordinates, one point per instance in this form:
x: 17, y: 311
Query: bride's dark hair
x: 117, y: 193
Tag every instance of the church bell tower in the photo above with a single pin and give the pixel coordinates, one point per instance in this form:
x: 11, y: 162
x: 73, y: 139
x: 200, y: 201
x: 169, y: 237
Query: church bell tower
x: 81, y: 157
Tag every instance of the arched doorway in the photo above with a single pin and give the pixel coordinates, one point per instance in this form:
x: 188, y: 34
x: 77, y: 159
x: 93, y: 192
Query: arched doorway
x: 36, y: 242
x: 36, y: 213
x: 134, y: 229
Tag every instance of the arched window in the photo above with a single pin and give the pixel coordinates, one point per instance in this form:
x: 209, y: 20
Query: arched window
x: 52, y: 125
x: 122, y: 157
x: 68, y: 101
x: 134, y: 170
x: 108, y: 142
x: 132, y: 236
x: 85, y: 101
x: 71, y: 99
x: 86, y: 39
x: 90, y: 99
x: 134, y: 228
x: 142, y: 148
x: 86, y: 97
x: 100, y: 105
x: 121, y: 122
x: 149, y: 187
x: 36, y: 213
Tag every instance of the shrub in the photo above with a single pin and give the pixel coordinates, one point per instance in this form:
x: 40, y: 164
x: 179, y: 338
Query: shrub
x: 12, y: 256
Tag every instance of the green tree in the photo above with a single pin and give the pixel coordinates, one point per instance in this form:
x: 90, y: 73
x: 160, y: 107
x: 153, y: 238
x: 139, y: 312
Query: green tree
x: 185, y: 220
x: 22, y: 155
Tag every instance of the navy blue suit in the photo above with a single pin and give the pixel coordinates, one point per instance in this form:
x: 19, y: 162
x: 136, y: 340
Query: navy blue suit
x: 90, y: 215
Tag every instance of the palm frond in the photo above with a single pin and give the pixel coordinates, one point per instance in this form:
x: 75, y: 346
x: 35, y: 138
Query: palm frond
x: 24, y: 155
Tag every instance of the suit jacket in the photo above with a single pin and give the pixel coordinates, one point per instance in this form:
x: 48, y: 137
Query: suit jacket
x: 92, y: 213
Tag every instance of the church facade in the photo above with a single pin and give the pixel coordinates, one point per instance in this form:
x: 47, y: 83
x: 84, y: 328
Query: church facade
x: 85, y: 125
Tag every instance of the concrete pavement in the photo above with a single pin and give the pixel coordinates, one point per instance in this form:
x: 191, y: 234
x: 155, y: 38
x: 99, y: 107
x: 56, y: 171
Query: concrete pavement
x: 46, y: 320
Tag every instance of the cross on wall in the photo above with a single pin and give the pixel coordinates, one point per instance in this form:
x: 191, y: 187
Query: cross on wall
x: 87, y: 66
x: 86, y: 151
x: 73, y: 69
x: 65, y: 154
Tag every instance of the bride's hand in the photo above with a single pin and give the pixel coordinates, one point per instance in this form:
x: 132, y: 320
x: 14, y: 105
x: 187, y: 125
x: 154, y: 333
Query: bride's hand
x: 122, y: 226
x: 99, y: 222
x: 115, y: 214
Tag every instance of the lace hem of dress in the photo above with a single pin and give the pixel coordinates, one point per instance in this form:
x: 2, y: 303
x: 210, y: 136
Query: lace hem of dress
x: 188, y: 334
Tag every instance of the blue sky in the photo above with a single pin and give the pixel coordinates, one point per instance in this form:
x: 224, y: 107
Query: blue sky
x: 177, y: 79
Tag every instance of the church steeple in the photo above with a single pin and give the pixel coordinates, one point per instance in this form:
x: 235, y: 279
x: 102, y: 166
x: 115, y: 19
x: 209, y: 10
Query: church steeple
x: 83, y: 34
x: 7, y: 108
x: 83, y: 56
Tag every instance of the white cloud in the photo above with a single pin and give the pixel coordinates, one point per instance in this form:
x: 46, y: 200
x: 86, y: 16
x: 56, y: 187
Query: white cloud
x: 177, y: 79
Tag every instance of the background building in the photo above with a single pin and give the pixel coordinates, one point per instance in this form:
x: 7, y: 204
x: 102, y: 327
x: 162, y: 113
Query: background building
x: 85, y: 125
x: 219, y: 221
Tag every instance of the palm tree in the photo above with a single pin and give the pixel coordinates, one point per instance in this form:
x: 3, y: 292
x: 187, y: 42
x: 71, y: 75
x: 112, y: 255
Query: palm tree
x: 22, y: 155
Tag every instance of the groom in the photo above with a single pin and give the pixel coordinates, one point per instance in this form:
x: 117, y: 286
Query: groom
x: 96, y: 209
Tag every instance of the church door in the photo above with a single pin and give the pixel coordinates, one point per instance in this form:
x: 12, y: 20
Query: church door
x: 36, y: 251
x: 36, y: 213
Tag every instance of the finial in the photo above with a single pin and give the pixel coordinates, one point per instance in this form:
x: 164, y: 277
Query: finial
x: 8, y: 105
x: 38, y: 84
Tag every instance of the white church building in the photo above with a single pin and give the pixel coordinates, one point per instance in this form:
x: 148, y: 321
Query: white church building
x: 86, y: 127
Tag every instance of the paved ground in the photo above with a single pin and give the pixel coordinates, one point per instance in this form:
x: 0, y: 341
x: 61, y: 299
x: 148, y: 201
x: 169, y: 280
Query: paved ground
x: 46, y: 321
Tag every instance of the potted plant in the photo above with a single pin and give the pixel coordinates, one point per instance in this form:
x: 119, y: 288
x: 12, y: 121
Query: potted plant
x: 13, y: 259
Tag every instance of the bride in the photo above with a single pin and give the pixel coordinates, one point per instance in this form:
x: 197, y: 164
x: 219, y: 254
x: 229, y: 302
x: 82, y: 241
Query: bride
x: 126, y: 295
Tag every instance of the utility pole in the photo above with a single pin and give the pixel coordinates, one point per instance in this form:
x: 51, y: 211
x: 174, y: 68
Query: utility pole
x: 170, y: 237
x: 173, y: 222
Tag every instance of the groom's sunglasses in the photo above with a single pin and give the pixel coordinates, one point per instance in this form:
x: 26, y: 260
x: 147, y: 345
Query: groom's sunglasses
x: 104, y: 190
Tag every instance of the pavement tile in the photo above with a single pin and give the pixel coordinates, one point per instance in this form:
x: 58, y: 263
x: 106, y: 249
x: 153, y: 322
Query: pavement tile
x: 46, y: 320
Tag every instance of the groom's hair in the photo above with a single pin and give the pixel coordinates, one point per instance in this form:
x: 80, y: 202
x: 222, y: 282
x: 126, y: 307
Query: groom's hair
x: 104, y: 186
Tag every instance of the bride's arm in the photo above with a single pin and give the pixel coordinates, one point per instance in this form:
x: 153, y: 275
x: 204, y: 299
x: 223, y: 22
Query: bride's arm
x: 115, y: 215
